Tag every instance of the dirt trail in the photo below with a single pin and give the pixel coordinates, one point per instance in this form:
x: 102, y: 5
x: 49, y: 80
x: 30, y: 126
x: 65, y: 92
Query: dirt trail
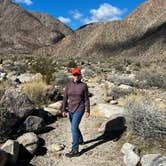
x: 94, y: 152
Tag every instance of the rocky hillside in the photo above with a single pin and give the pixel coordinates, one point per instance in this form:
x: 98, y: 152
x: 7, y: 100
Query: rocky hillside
x: 22, y: 31
x: 141, y: 33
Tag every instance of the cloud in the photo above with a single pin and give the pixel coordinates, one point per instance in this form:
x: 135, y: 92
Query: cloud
x: 64, y: 20
x: 106, y: 12
x: 27, y: 2
x: 76, y: 14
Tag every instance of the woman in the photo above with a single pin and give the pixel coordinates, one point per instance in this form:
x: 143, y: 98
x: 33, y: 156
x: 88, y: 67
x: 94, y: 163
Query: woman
x: 77, y: 99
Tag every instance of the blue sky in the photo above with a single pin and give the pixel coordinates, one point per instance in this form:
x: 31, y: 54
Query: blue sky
x: 76, y: 13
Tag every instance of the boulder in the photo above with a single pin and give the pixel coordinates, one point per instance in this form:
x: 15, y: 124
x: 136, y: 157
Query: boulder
x: 127, y: 147
x: 17, y: 103
x: 27, y: 77
x: 53, y: 111
x: 11, y: 147
x: 30, y: 141
x: 131, y: 159
x: 107, y: 110
x: 126, y: 87
x: 153, y: 160
x: 57, y: 105
x: 32, y: 124
x: 15, y: 107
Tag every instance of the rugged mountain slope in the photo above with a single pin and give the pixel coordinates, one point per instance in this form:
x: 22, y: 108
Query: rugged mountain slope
x: 141, y: 33
x: 21, y: 31
x: 53, y: 23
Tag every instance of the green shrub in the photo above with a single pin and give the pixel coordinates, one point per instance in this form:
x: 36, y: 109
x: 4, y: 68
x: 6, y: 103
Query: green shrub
x: 72, y: 63
x: 44, y: 66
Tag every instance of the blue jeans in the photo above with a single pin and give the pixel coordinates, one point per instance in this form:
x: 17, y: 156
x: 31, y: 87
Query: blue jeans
x: 75, y: 119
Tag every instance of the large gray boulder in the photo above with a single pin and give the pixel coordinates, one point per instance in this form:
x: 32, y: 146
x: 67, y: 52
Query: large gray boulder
x: 15, y: 107
x: 32, y: 124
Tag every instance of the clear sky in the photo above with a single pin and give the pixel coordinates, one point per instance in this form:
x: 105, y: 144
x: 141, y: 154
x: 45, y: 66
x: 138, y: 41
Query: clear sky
x: 76, y: 13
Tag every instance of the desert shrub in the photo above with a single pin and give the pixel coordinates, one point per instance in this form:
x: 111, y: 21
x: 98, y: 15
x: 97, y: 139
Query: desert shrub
x: 144, y: 117
x: 150, y: 78
x: 117, y: 92
x: 36, y: 91
x: 71, y: 63
x: 3, y: 86
x: 118, y: 79
x: 45, y: 66
x: 61, y: 79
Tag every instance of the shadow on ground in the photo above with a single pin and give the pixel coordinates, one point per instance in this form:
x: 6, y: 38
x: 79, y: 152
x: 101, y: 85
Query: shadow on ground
x: 113, y: 132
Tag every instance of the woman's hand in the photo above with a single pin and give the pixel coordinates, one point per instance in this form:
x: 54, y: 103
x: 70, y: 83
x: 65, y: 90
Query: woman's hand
x: 64, y: 114
x: 87, y: 114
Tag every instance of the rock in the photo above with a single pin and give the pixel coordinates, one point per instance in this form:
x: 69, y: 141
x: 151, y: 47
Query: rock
x: 55, y: 147
x: 47, y: 116
x: 107, y: 110
x: 27, y: 77
x: 114, y: 102
x: 53, y: 111
x: 32, y: 124
x: 15, y: 107
x: 53, y: 94
x: 3, y: 158
x: 17, y: 103
x: 30, y: 141
x: 126, y: 87
x: 56, y: 105
x: 2, y: 75
x: 11, y: 147
x: 108, y: 99
x: 153, y: 160
x: 127, y: 147
x: 131, y: 159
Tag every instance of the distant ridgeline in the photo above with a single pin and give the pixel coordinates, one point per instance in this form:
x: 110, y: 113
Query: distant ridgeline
x: 141, y: 33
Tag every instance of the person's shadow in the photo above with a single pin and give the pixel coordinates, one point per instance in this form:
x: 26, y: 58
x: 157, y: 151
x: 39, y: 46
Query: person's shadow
x: 113, y: 132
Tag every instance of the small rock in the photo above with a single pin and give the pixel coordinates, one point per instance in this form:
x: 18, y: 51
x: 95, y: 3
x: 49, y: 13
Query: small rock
x: 107, y: 99
x: 55, y: 147
x: 30, y: 141
x: 53, y: 111
x: 114, y: 102
x: 125, y: 87
x: 127, y: 147
x: 56, y: 105
x: 131, y: 159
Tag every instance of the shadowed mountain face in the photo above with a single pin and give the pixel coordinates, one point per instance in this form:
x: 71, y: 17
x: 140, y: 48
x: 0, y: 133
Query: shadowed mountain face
x: 22, y: 31
x: 141, y: 33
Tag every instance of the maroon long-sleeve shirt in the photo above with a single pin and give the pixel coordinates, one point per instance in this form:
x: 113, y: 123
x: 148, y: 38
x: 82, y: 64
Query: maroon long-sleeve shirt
x: 76, y: 97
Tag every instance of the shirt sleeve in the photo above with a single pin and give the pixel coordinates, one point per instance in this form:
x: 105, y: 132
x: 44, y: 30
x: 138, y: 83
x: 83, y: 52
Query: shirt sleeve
x: 87, y: 101
x: 65, y: 98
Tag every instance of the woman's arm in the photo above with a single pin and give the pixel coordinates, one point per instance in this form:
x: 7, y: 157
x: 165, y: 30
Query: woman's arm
x: 86, y: 99
x: 65, y: 98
